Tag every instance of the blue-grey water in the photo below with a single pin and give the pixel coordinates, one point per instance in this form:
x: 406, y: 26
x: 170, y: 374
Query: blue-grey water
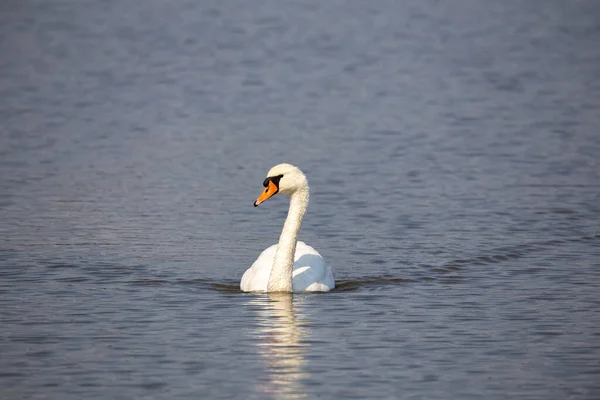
x: 453, y: 153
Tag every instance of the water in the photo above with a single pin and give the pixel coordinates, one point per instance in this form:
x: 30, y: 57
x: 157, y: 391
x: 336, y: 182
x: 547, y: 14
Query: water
x: 452, y: 150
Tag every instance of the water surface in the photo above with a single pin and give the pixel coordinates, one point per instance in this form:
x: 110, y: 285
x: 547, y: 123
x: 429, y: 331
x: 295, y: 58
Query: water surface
x: 452, y: 150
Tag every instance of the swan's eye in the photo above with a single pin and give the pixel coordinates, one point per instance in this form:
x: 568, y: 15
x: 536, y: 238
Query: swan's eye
x: 274, y: 179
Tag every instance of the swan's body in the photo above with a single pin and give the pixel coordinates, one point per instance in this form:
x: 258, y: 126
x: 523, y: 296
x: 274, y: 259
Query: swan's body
x: 310, y: 273
x: 290, y: 265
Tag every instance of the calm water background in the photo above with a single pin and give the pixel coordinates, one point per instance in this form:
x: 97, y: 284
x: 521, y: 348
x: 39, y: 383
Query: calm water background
x: 453, y: 152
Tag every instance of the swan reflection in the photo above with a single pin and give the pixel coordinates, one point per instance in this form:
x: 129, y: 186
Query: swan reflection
x: 281, y: 331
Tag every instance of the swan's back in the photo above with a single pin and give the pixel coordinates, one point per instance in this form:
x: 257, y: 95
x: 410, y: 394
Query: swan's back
x: 310, y: 272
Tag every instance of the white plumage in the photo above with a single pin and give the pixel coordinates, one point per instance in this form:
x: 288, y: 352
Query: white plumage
x: 310, y: 272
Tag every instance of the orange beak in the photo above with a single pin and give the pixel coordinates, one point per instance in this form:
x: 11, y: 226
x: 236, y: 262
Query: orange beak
x: 269, y: 192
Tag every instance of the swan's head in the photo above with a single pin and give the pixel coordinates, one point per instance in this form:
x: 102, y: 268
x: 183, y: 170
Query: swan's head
x: 282, y: 179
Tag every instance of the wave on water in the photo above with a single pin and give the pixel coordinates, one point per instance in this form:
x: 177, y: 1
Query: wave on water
x: 447, y: 270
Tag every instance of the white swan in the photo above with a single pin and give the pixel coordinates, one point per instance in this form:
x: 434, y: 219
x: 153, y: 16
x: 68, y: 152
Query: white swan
x: 290, y: 265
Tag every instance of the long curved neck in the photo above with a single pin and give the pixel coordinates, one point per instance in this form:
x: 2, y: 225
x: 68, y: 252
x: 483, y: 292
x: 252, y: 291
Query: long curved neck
x: 280, y: 279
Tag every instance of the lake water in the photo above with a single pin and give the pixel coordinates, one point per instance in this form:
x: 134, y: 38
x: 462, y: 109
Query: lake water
x: 453, y: 153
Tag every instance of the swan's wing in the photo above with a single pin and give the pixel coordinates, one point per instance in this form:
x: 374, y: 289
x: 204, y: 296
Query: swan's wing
x: 311, y: 273
x: 256, y: 277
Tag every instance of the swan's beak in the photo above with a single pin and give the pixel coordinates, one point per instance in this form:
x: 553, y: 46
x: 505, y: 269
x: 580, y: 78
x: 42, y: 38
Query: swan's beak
x: 269, y: 191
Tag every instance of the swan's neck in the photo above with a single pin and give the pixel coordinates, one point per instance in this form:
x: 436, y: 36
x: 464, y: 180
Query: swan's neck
x: 280, y: 279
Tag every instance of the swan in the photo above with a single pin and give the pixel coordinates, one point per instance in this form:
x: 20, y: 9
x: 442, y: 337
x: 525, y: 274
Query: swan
x: 290, y: 265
